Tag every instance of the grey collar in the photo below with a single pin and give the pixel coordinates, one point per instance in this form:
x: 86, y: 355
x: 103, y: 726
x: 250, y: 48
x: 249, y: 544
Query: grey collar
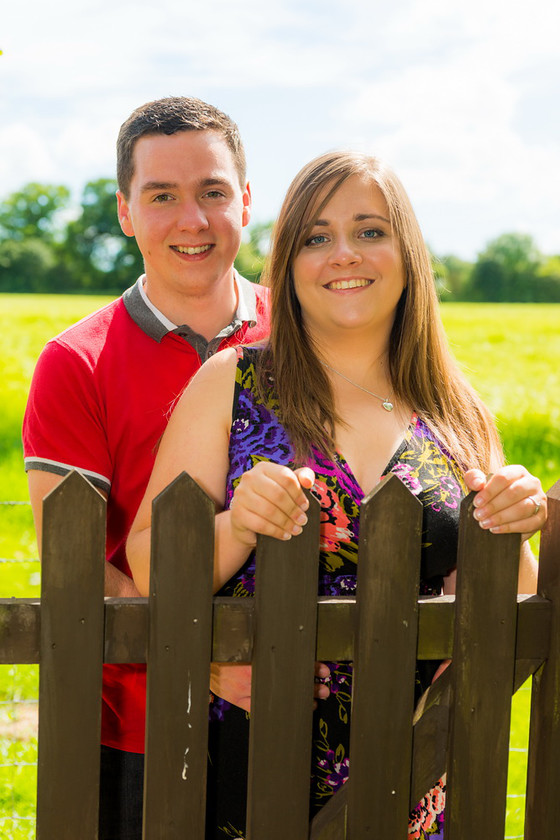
x: 157, y: 326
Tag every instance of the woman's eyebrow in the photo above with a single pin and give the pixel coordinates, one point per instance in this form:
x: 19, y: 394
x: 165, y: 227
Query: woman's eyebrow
x: 359, y: 217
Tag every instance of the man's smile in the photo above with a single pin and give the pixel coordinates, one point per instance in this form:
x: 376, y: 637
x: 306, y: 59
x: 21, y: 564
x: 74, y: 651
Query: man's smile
x: 196, y: 249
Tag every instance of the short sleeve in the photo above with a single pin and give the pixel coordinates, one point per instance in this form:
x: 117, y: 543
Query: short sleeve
x: 64, y: 421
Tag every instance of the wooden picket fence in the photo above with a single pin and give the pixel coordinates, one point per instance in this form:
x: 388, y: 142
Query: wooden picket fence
x: 496, y: 639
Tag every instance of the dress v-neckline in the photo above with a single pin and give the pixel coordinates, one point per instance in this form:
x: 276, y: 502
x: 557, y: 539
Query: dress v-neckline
x: 404, y: 442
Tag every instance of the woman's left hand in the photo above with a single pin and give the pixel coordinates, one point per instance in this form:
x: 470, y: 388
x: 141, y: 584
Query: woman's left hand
x: 511, y: 500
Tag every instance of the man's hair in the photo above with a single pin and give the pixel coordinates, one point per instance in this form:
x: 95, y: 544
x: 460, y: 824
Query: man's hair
x: 169, y: 116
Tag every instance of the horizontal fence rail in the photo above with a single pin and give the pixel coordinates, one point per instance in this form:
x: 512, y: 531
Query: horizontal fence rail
x: 461, y: 725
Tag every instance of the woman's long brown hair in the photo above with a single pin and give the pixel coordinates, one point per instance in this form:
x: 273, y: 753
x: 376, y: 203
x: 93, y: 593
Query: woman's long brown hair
x: 422, y: 369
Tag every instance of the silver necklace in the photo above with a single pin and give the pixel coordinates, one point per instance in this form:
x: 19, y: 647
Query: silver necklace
x: 385, y: 401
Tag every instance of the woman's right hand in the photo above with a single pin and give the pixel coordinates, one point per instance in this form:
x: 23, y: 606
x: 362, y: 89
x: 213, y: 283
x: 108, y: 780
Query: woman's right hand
x: 269, y: 499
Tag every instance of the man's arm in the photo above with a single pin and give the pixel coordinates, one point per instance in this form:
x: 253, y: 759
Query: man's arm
x: 41, y: 483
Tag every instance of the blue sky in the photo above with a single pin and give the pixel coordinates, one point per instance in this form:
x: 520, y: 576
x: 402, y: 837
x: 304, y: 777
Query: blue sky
x: 463, y: 99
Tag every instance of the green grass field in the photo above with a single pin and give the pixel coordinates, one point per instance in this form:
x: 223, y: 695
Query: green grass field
x: 511, y: 353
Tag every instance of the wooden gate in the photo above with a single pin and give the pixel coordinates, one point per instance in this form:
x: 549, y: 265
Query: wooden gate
x: 495, y: 638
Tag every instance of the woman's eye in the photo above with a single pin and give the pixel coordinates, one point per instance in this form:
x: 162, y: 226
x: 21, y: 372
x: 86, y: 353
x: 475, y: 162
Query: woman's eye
x: 371, y: 233
x: 317, y: 239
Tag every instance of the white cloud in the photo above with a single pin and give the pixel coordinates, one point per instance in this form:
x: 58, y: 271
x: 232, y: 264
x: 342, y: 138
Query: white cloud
x: 441, y: 88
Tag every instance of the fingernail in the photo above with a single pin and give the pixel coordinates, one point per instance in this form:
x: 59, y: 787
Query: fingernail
x: 286, y: 536
x: 296, y: 530
x: 301, y: 519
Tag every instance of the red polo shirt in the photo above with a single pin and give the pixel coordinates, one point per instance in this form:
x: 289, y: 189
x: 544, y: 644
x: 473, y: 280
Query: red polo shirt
x: 99, y: 402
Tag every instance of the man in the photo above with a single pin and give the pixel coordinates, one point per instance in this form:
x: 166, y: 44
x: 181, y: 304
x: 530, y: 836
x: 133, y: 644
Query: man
x: 103, y: 389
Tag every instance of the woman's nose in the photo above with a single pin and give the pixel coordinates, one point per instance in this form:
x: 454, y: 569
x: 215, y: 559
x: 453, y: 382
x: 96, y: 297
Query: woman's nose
x: 345, y: 253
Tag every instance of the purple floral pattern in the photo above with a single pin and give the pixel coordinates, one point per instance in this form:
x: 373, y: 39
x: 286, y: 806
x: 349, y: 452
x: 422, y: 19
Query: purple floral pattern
x: 424, y: 466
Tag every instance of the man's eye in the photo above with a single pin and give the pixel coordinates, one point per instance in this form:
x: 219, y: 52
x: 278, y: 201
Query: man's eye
x: 214, y: 194
x: 162, y: 198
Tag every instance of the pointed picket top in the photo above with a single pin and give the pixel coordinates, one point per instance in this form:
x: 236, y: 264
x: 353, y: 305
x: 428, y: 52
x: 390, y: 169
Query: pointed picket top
x: 73, y: 527
x: 391, y: 491
x: 183, y: 483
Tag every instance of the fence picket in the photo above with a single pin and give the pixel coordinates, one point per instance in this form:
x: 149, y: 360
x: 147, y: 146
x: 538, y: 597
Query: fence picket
x: 543, y: 783
x: 482, y: 680
x: 179, y: 662
x: 384, y: 662
x: 72, y: 620
x: 282, y: 689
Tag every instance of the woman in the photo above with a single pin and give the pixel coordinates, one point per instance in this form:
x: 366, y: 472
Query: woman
x: 356, y: 381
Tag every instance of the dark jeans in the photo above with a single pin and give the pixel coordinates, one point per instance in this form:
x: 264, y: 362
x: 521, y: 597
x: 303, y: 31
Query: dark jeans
x: 120, y: 795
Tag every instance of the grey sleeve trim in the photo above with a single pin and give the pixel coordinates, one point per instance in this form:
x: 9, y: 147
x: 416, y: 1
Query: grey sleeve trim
x: 58, y: 468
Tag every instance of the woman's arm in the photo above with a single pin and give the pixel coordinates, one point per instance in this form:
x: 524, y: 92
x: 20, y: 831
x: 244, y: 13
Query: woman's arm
x: 269, y: 498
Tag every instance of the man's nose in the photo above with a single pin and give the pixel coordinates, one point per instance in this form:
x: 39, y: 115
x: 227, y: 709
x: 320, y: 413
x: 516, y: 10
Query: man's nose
x: 191, y: 217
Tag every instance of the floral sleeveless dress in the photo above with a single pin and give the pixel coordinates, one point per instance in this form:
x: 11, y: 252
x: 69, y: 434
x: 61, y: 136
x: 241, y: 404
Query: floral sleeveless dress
x: 431, y: 474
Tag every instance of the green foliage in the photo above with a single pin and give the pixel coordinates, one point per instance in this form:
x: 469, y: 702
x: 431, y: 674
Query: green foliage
x: 96, y: 249
x: 506, y: 270
x: 26, y: 265
x: 43, y: 249
x: 455, y: 275
x: 252, y: 254
x: 33, y: 212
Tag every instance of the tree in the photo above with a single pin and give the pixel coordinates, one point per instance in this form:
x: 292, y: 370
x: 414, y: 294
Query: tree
x: 547, y: 281
x: 252, y: 254
x: 506, y: 269
x: 33, y: 212
x: 457, y: 277
x: 26, y: 266
x: 100, y: 255
x: 488, y: 282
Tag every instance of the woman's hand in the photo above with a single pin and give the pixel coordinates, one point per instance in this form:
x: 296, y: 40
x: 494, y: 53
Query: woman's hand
x: 511, y: 500
x: 269, y: 499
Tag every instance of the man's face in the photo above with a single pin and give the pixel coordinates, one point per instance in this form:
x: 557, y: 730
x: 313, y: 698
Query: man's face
x: 186, y: 209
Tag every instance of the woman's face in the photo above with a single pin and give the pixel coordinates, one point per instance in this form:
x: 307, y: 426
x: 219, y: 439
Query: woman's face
x: 348, y: 274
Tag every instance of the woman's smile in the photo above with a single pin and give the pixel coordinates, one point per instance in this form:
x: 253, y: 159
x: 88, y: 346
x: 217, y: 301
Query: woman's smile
x: 345, y: 283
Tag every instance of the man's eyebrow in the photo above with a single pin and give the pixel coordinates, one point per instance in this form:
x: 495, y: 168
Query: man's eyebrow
x: 213, y: 182
x: 359, y: 217
x: 154, y: 186
x: 157, y: 186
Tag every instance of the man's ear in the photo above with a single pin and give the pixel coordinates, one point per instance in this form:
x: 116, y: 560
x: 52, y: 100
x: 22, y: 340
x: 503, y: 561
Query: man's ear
x: 124, y: 214
x: 247, y: 203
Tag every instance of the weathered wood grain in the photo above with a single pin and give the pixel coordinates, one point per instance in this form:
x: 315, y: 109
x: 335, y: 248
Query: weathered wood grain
x: 482, y: 680
x: 543, y: 782
x: 71, y: 654
x: 179, y: 650
x: 282, y: 691
x: 384, y: 662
